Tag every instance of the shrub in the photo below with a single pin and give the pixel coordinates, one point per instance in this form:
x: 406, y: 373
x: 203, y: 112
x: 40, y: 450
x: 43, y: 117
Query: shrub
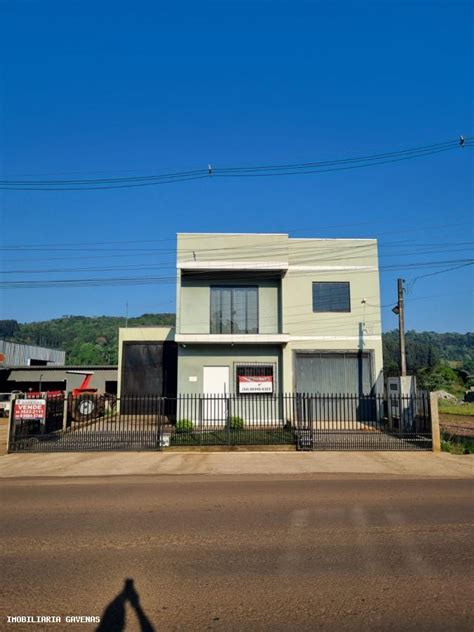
x: 184, y: 425
x: 457, y: 444
x: 236, y: 423
x: 441, y: 377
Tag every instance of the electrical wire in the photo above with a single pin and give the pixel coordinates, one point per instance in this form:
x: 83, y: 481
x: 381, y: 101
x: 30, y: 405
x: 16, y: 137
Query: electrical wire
x: 110, y: 268
x: 423, y: 276
x: 199, y: 236
x: 165, y: 280
x: 249, y: 171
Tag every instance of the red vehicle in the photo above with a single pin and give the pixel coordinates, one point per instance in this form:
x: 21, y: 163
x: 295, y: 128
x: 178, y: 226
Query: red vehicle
x: 86, y: 403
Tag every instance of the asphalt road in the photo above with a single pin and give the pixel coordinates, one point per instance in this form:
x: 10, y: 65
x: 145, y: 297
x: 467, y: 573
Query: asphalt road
x: 239, y: 553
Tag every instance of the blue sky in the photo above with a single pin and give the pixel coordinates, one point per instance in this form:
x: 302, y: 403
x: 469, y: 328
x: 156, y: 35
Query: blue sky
x: 119, y: 88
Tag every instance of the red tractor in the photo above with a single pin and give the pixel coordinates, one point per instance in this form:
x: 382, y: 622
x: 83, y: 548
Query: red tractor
x: 87, y: 403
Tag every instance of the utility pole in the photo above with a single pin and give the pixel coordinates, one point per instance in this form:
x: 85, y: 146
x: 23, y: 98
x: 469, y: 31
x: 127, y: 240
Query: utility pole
x: 126, y: 314
x: 401, y: 327
x: 399, y: 310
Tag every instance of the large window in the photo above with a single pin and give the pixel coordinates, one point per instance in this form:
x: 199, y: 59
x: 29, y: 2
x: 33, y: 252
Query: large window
x: 234, y: 310
x: 331, y: 297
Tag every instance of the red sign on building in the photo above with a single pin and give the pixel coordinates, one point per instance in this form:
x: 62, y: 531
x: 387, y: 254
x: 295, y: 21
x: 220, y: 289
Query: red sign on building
x: 255, y: 384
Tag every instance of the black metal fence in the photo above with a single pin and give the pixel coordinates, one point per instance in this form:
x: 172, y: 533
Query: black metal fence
x: 90, y: 422
x: 367, y: 422
x: 304, y: 421
x: 24, y: 432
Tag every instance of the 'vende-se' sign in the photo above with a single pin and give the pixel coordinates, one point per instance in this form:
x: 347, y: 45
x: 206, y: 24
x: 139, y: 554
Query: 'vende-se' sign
x: 30, y: 409
x: 255, y: 384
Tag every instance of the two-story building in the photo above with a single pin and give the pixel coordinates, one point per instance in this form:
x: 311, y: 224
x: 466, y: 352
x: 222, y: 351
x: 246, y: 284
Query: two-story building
x: 267, y: 313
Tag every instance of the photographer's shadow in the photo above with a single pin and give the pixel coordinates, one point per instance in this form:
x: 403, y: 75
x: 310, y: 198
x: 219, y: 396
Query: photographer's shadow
x: 113, y: 617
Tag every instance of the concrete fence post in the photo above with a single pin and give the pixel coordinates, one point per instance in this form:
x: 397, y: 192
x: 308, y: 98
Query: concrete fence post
x: 65, y: 411
x: 435, y: 432
x: 11, y: 417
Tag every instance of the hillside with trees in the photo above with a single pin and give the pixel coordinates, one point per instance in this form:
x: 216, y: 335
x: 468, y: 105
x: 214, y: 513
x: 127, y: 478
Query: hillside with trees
x: 440, y: 361
x: 86, y: 340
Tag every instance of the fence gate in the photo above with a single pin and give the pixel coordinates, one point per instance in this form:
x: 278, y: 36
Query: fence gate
x: 91, y: 423
x: 363, y: 422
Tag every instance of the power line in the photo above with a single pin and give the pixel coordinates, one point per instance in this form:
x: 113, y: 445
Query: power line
x: 164, y: 280
x: 222, y: 169
x: 343, y: 167
x: 199, y: 236
x: 422, y: 276
x: 243, y: 171
x: 458, y: 248
x: 304, y: 165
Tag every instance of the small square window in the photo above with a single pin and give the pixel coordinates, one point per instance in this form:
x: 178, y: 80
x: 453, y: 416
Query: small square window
x: 331, y: 297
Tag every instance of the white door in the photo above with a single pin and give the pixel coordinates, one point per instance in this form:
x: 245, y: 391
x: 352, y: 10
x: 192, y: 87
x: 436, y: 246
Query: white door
x: 216, y: 391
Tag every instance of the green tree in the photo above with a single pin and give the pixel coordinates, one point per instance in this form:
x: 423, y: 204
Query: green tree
x: 8, y: 328
x: 441, y: 377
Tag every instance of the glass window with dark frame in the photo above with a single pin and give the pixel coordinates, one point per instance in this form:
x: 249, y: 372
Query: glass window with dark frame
x: 234, y: 310
x: 331, y: 296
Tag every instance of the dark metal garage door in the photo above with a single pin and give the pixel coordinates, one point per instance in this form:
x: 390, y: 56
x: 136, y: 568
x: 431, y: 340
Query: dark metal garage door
x: 142, y: 369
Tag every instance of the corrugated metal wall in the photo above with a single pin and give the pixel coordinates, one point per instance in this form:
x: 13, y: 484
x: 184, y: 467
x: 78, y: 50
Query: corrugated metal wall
x: 21, y: 355
x: 142, y: 369
x: 333, y: 373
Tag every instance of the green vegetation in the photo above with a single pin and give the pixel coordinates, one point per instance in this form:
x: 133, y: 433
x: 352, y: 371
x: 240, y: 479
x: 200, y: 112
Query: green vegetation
x: 86, y: 340
x: 457, y: 445
x: 440, y: 361
x: 236, y: 423
x: 245, y: 437
x: 453, y: 408
x: 8, y: 329
x: 184, y: 426
x: 427, y: 349
x: 442, y: 378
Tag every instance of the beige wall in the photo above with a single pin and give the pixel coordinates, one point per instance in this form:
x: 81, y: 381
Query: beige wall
x: 354, y: 261
x: 231, y: 247
x: 309, y: 260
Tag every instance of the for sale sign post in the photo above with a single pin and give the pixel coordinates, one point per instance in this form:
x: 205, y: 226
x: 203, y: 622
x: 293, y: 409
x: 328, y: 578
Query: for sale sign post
x: 30, y: 409
x: 255, y: 384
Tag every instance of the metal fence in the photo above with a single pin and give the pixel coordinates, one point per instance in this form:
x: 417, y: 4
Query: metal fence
x: 367, y: 422
x: 93, y: 423
x: 304, y: 421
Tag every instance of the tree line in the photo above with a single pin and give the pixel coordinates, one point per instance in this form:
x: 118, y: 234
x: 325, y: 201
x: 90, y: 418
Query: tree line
x: 91, y: 340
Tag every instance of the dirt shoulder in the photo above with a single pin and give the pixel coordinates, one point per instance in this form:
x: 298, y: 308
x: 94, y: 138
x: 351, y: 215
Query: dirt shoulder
x: 462, y: 425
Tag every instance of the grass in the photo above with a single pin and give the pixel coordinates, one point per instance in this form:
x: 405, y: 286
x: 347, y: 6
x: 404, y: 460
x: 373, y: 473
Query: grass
x: 234, y: 437
x: 457, y: 445
x: 452, y: 408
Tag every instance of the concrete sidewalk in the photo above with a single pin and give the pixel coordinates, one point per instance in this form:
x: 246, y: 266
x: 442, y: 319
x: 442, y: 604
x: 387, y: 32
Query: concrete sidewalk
x: 422, y: 464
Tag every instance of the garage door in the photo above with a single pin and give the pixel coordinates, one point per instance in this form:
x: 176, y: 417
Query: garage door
x: 333, y: 373
x: 142, y: 369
